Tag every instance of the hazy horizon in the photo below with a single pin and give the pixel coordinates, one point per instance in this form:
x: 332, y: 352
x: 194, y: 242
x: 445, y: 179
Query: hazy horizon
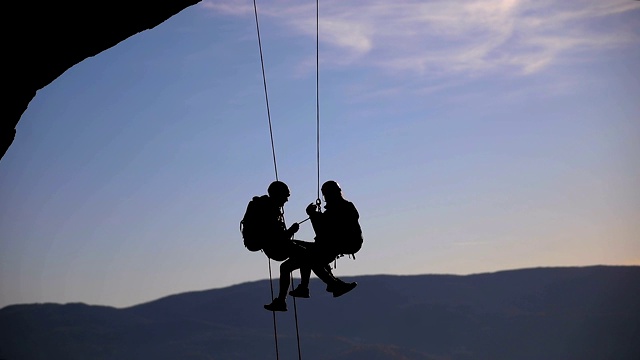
x: 313, y: 286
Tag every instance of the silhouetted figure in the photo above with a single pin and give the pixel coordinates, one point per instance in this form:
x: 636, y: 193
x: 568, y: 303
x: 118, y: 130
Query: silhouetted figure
x: 338, y: 233
x: 263, y: 228
x: 338, y: 230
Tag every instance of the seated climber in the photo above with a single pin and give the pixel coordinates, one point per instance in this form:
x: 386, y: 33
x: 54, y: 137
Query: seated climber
x: 338, y: 233
x: 263, y: 228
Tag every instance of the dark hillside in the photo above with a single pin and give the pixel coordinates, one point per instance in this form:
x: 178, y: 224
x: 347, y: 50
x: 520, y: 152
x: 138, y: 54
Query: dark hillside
x: 544, y: 313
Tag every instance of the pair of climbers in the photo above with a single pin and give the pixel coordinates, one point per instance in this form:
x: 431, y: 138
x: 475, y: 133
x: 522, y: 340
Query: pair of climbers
x: 337, y: 232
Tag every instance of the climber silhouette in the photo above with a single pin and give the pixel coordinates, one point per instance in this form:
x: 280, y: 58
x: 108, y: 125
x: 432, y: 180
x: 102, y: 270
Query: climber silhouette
x: 264, y: 229
x: 264, y: 221
x: 338, y: 230
x: 337, y: 233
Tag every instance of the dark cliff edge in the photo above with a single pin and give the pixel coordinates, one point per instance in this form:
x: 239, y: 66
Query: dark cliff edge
x: 46, y: 38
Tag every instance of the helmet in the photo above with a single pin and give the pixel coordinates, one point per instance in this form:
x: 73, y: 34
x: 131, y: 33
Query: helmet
x: 278, y: 188
x: 331, y: 187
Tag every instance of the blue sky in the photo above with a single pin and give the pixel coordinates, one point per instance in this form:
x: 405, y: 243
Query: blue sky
x: 472, y: 137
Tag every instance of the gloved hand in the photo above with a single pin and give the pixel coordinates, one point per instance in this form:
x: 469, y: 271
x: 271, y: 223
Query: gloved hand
x: 294, y: 228
x: 311, y: 209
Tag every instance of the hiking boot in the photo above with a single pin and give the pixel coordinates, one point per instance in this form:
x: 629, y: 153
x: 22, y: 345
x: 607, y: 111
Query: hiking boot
x: 277, y: 305
x: 335, y: 285
x: 344, y: 288
x: 300, y: 292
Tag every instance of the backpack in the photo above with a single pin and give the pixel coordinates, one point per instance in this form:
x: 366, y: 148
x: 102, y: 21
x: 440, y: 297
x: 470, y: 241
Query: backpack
x: 252, y: 224
x: 349, y: 235
x: 353, y: 239
x: 351, y: 245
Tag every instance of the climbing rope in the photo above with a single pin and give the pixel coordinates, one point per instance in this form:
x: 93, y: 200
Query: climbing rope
x: 295, y: 315
x: 275, y: 163
x: 318, y: 201
x: 275, y: 327
x: 275, y: 166
x: 266, y: 95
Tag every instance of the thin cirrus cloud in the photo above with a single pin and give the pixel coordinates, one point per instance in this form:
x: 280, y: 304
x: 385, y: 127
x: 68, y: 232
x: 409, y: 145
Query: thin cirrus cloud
x: 441, y: 37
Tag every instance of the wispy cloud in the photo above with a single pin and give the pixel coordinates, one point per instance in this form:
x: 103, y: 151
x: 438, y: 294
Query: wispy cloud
x: 443, y: 37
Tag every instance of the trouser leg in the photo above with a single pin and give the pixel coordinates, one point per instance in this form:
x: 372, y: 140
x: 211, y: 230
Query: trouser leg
x: 321, y: 268
x: 305, y: 276
x: 301, y: 253
x: 322, y: 273
x: 328, y: 270
x: 286, y: 268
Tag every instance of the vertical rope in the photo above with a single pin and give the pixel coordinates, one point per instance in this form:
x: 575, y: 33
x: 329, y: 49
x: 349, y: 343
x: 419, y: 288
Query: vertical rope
x: 295, y: 307
x: 318, y: 202
x: 275, y: 164
x: 275, y: 326
x: 266, y: 96
x: 295, y: 312
x: 275, y: 167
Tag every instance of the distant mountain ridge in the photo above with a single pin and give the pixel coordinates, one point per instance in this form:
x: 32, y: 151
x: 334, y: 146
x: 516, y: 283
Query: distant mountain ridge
x: 540, y: 313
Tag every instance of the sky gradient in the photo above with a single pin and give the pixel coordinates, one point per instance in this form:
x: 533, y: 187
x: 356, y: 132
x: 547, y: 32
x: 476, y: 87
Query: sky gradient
x: 472, y: 137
